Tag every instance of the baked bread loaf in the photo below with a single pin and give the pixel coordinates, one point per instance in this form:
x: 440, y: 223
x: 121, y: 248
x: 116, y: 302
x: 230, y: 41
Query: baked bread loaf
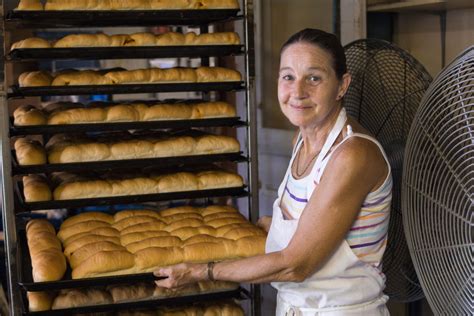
x: 35, y: 79
x: 30, y: 5
x: 39, y: 301
x: 32, y: 42
x: 81, y: 297
x: 29, y: 152
x: 80, y: 78
x: 140, y: 4
x: 36, y: 189
x: 26, y: 115
x: 217, y: 74
x: 47, y: 260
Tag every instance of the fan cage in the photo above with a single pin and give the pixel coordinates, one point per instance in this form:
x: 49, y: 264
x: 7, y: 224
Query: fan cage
x: 438, y: 187
x: 386, y: 89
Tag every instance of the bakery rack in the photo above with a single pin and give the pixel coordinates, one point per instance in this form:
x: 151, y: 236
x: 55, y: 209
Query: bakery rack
x: 13, y: 206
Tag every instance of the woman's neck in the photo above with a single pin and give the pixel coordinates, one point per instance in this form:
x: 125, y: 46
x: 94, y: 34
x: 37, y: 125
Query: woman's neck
x: 314, y: 136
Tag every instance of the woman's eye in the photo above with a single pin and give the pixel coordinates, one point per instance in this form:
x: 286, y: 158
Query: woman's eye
x: 314, y: 78
x: 287, y: 77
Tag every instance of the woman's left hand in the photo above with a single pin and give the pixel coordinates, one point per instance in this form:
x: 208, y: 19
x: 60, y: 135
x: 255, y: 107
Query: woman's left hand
x: 181, y: 274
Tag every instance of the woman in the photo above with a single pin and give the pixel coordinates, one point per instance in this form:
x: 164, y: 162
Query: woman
x: 329, y: 226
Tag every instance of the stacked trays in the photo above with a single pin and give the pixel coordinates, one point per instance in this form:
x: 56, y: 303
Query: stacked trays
x: 71, y: 19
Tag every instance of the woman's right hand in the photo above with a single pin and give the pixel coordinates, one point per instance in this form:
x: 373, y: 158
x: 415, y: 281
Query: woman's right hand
x: 264, y: 222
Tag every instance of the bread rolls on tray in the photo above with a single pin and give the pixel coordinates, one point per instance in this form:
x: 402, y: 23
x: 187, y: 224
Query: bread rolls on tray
x: 58, y: 5
x: 138, y: 76
x: 134, y: 112
x: 138, y: 241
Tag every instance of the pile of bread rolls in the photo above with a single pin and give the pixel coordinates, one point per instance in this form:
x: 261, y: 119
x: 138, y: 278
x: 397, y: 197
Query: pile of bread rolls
x: 71, y: 187
x: 28, y: 115
x: 137, y: 76
x: 70, y: 150
x: 135, y: 39
x: 98, y: 244
x: 127, y: 5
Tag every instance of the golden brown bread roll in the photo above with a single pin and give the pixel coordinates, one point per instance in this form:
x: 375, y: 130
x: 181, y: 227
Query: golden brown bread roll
x: 213, y: 144
x: 179, y: 210
x: 187, y: 232
x: 218, y: 215
x: 213, y: 109
x: 80, y: 227
x: 202, y: 238
x: 151, y: 226
x: 27, y: 115
x: 41, y: 241
x: 29, y: 152
x: 136, y: 220
x: 208, y: 251
x: 228, y: 38
x: 133, y: 292
x: 215, y: 4
x: 186, y: 222
x: 104, y: 262
x: 35, y: 79
x: 170, y: 39
x: 241, y: 232
x: 141, y: 39
x: 87, y: 216
x: 39, y: 225
x: 84, y: 40
x: 48, y: 265
x: 30, y: 5
x: 168, y: 112
x: 90, y: 249
x: 165, y: 241
x: 181, y: 291
x: 132, y: 213
x: 81, y: 297
x: 217, y: 74
x: 250, y: 246
x: 100, y: 231
x: 216, y: 223
x: 81, y: 78
x: 77, y: 116
x: 39, y: 301
x: 129, y: 238
x: 32, y: 42
x: 177, y: 182
x: 177, y: 217
x: 224, y: 229
x: 86, y: 240
x: 69, y: 153
x: 214, y: 286
x: 149, y: 258
x: 83, y: 189
x: 218, y: 179
x: 36, y: 189
x: 212, y: 209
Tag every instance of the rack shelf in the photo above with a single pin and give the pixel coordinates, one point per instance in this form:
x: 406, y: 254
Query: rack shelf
x: 421, y: 5
x: 64, y: 19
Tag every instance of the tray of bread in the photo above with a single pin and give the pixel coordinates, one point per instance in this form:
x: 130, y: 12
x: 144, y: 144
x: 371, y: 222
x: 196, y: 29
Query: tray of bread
x: 88, y: 188
x: 123, y: 150
x: 122, y: 46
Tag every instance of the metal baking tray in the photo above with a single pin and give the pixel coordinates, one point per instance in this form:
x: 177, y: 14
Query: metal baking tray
x: 130, y: 199
x: 60, y: 19
x: 124, y: 52
x: 17, y: 91
x: 130, y: 163
x: 103, y: 127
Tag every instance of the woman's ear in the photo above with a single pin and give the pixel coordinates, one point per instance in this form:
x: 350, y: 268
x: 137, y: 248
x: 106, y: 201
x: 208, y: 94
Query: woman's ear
x: 344, y: 85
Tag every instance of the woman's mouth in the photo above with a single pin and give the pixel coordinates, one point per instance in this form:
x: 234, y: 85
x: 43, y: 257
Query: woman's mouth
x: 299, y: 107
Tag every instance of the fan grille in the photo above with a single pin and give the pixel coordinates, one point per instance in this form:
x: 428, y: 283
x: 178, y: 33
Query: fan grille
x: 438, y: 187
x: 386, y: 89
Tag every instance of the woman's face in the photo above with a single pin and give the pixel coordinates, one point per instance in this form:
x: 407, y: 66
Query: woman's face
x: 308, y: 89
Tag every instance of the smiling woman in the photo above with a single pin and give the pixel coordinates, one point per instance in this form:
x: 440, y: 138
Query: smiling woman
x: 328, y: 231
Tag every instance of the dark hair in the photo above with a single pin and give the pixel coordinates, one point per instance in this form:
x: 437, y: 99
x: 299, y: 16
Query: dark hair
x: 327, y: 41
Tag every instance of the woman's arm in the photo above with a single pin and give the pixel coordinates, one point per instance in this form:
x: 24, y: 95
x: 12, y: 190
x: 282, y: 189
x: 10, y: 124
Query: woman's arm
x: 354, y: 170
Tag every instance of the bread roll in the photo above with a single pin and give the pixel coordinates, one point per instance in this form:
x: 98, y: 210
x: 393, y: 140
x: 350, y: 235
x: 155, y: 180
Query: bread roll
x: 103, y: 262
x: 134, y: 186
x: 149, y: 258
x: 100, y: 231
x: 83, y: 189
x: 238, y: 233
x: 48, y: 265
x: 178, y: 217
x: 77, y: 116
x: 39, y: 301
x: 169, y: 4
x: 213, y: 209
x: 85, y: 252
x: 214, y: 286
x: 208, y: 251
x: 177, y: 182
x: 179, y: 210
x: 133, y: 292
x: 218, y: 215
x: 36, y: 189
x: 216, y: 223
x: 29, y: 152
x: 151, y: 226
x: 215, y: 4
x: 173, y: 75
x: 250, y: 246
x: 168, y: 112
x: 28, y: 115
x: 86, y: 240
x: 83, y: 226
x: 81, y: 297
x: 170, y: 39
x: 30, y: 5
x: 202, y: 238
x: 87, y: 216
x: 35, y: 79
x: 32, y: 42
x: 217, y: 74
x: 165, y: 241
x: 42, y: 241
x: 125, y: 112
x: 142, y: 39
x: 218, y: 179
x: 119, y: 40
x: 80, y: 78
x: 187, y: 232
x: 224, y: 229
x: 127, y: 222
x: 38, y: 225
x: 212, y: 109
x: 187, y: 222
x: 213, y: 144
x: 72, y: 4
x: 127, y: 239
x: 84, y: 40
x: 224, y: 38
x: 132, y: 213
x: 181, y: 291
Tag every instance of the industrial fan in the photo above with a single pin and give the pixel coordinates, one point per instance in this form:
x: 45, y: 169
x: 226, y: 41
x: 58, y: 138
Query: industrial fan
x: 386, y: 89
x: 438, y: 189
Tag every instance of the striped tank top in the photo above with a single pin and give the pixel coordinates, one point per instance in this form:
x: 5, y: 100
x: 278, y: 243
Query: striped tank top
x: 368, y: 235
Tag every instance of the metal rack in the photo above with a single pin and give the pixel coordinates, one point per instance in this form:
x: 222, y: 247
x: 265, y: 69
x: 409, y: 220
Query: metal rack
x: 11, y: 195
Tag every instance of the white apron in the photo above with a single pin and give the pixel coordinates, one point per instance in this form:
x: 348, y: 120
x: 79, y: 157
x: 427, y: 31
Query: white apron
x: 344, y: 285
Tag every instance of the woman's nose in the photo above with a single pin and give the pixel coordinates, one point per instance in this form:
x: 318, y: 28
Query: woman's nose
x: 299, y: 89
